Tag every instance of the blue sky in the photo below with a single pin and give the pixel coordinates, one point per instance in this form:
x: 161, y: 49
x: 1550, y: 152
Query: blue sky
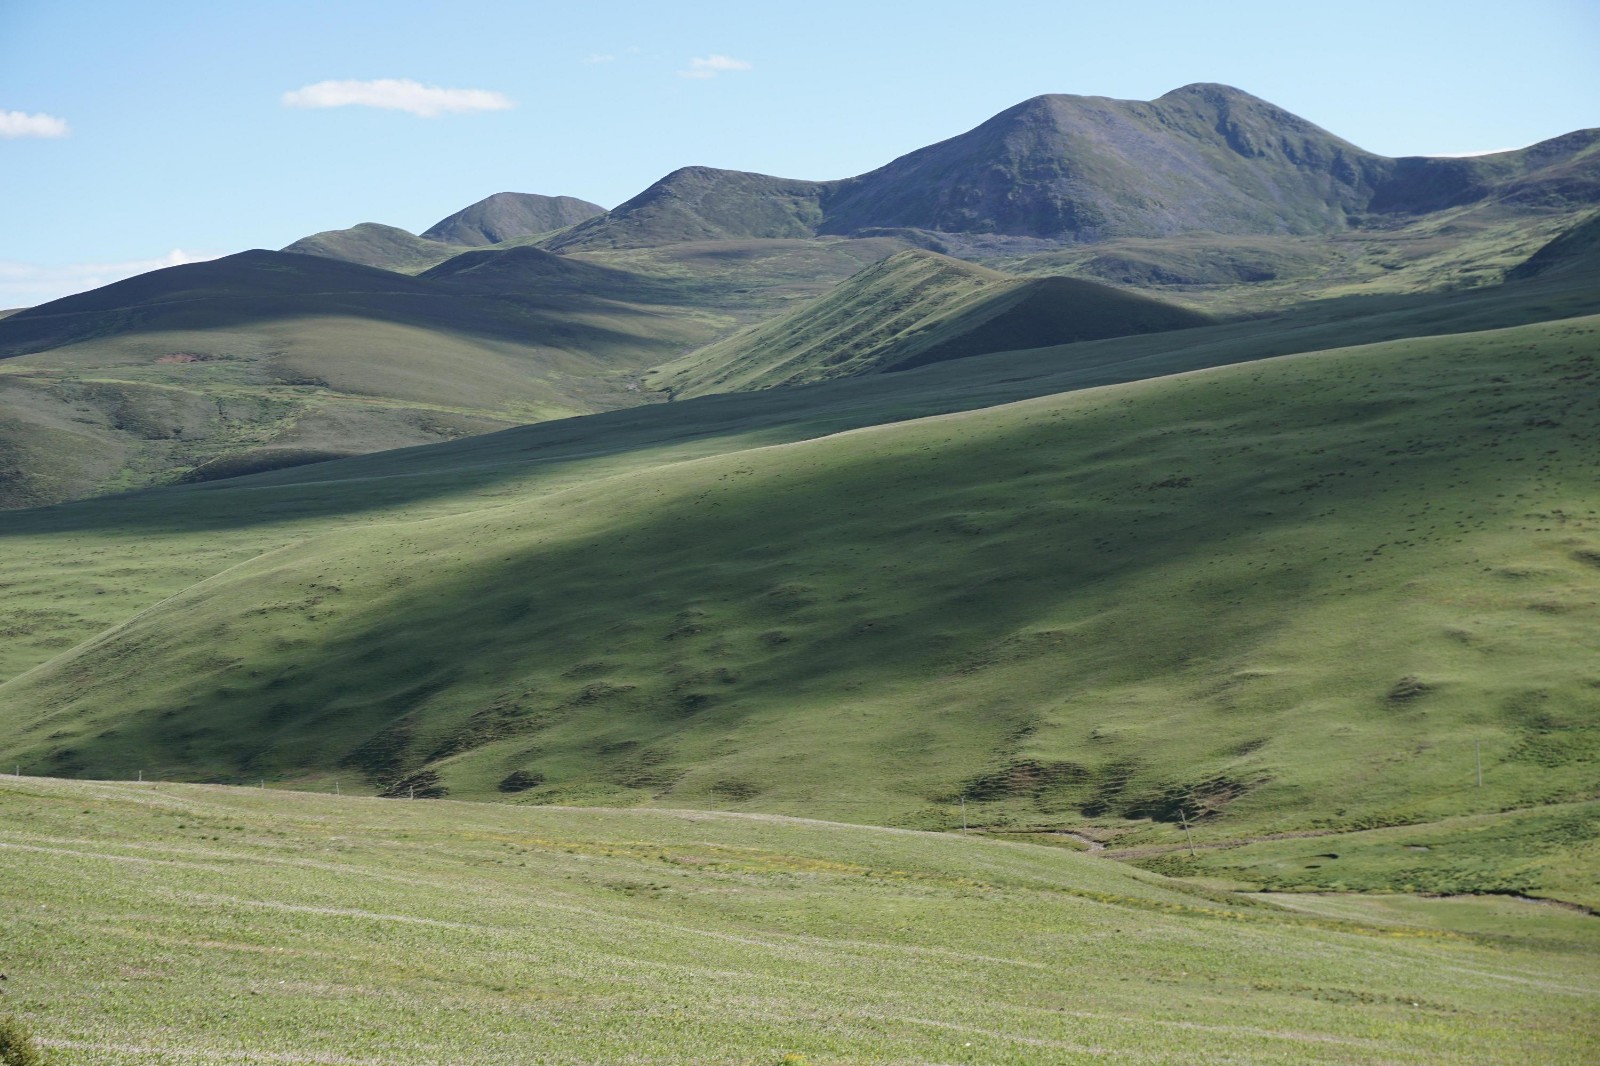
x: 182, y: 136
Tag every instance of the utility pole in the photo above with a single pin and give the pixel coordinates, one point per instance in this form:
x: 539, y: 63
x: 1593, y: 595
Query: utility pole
x: 963, y: 812
x: 141, y: 777
x: 1187, y: 835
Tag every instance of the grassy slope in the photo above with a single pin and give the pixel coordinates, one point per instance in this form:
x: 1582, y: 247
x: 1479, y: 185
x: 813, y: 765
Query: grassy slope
x: 272, y: 359
x: 912, y: 309
x: 1204, y: 591
x: 376, y: 245
x: 190, y: 924
x: 846, y: 332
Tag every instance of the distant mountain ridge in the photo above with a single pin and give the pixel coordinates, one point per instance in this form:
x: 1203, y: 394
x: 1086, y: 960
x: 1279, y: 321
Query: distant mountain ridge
x: 505, y: 216
x: 1053, y: 170
x: 1062, y: 168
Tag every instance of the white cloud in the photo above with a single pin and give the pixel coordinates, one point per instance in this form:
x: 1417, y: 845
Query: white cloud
x: 22, y: 124
x: 1469, y: 155
x: 28, y: 284
x: 599, y: 57
x: 712, y: 65
x: 397, y: 94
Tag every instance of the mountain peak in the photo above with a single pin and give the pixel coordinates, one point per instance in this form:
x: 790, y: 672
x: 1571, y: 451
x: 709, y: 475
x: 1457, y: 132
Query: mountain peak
x: 506, y: 216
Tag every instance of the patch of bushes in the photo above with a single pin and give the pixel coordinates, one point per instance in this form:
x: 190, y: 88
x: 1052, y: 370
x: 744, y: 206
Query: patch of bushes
x: 520, y: 781
x: 17, y: 1047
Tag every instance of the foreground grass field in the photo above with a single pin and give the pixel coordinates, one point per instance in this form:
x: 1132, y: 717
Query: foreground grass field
x: 164, y: 924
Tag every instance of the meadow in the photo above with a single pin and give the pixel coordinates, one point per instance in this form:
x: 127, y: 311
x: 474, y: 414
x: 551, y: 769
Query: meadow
x: 1287, y: 596
x: 182, y: 924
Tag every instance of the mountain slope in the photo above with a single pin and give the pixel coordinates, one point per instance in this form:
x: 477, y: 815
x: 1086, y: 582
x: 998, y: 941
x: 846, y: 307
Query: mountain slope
x: 702, y: 203
x: 375, y: 245
x: 507, y: 216
x: 267, y: 358
x: 912, y: 309
x: 1238, y: 593
x: 1088, y: 168
x: 1573, y: 252
x: 1062, y: 169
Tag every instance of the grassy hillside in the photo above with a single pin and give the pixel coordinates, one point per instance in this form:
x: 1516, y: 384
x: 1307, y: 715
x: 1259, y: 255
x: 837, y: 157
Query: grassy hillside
x: 185, y: 923
x: 753, y: 279
x: 266, y: 359
x: 1277, y: 596
x: 1574, y: 251
x: 699, y: 204
x: 912, y: 309
x: 375, y: 245
x: 507, y: 216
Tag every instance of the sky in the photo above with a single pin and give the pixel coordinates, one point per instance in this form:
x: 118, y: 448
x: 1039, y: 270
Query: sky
x: 135, y: 135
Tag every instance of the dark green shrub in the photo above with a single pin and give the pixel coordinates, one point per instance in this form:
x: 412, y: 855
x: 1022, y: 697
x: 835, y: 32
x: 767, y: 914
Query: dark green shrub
x: 520, y: 781
x: 16, y: 1045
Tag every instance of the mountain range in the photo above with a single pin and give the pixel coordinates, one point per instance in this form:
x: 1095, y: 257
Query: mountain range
x: 1203, y: 202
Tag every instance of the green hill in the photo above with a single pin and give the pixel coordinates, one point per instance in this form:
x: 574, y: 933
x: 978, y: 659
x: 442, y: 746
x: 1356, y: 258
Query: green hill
x: 266, y: 359
x: 507, y: 216
x: 1574, y: 251
x: 207, y: 924
x: 699, y: 204
x: 375, y: 245
x: 912, y: 309
x: 1243, y: 594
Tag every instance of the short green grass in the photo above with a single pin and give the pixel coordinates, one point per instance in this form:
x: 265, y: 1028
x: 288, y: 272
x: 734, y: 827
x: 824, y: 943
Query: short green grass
x: 911, y: 309
x: 193, y: 924
x: 1550, y: 852
x: 1273, y: 597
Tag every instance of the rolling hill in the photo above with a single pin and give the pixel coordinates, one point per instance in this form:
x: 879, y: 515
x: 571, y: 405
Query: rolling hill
x: 508, y: 216
x: 912, y: 309
x: 269, y: 358
x: 375, y: 245
x: 1237, y: 594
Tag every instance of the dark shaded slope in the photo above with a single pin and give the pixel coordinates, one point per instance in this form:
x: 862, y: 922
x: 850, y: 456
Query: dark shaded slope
x: 506, y: 216
x: 532, y: 270
x: 914, y: 308
x: 248, y: 286
x: 481, y: 296
x: 1047, y: 311
x: 268, y: 358
x: 1575, y: 251
x: 375, y: 245
x: 1560, y: 173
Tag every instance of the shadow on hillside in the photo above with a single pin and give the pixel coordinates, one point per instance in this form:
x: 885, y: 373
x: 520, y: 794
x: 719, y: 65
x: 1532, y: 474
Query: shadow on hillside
x: 713, y: 424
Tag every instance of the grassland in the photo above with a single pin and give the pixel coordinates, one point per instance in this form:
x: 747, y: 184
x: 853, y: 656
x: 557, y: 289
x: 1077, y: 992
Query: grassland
x: 268, y: 359
x: 192, y: 924
x: 912, y: 309
x: 1277, y: 597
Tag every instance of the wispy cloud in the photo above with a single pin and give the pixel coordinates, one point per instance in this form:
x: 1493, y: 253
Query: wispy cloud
x: 712, y: 65
x: 397, y: 94
x: 22, y: 124
x: 1469, y: 155
x: 599, y: 57
x: 27, y: 284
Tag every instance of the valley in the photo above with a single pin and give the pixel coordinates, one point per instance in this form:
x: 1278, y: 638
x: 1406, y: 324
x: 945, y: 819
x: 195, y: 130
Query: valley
x: 1123, y: 581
